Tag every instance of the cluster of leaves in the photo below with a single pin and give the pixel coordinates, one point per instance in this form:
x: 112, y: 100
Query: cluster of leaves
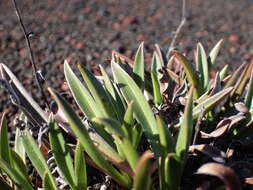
x: 138, y: 125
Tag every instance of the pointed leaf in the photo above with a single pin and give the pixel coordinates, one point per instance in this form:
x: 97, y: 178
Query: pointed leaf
x: 25, y: 101
x: 48, y: 183
x: 61, y: 153
x: 142, y: 111
x: 5, y: 151
x: 190, y: 72
x: 97, y: 91
x: 142, y: 180
x: 202, y: 65
x: 18, y: 179
x: 209, y: 103
x: 214, y: 52
x: 249, y: 95
x: 85, y: 140
x: 185, y: 133
x: 35, y: 155
x: 223, y: 72
x: 113, y: 95
x: 80, y: 167
x: 166, y: 139
x: 138, y: 67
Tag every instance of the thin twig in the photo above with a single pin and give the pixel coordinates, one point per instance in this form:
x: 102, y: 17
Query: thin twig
x: 30, y: 52
x: 198, y: 125
x: 183, y: 20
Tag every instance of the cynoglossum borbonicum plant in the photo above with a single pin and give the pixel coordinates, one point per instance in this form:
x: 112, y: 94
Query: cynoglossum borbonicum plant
x: 173, y: 108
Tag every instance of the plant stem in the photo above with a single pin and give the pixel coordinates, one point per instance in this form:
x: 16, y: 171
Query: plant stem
x: 30, y: 52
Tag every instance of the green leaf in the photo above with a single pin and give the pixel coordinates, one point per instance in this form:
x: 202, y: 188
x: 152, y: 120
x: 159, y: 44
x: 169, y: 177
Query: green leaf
x: 18, y: 179
x: 202, y: 65
x: 80, y: 167
x: 19, y: 147
x: 173, y: 171
x: 185, y: 133
x: 61, y: 153
x: 138, y: 67
x: 122, y: 141
x: 211, y: 102
x: 85, y: 101
x: 156, y: 76
x: 128, y: 121
x: 223, y: 72
x: 242, y: 81
x: 97, y: 91
x: 166, y: 139
x: 113, y: 95
x: 142, y: 179
x: 82, y: 95
x: 19, y: 165
x: 191, y: 74
x: 113, y: 126
x: 48, y: 183
x: 5, y: 151
x: 214, y: 52
x: 142, y: 111
x: 80, y: 131
x: 235, y: 76
x: 249, y: 94
x: 34, y: 154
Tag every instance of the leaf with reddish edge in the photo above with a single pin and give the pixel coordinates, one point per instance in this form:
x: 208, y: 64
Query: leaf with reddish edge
x: 142, y: 179
x: 226, y: 174
x: 190, y: 72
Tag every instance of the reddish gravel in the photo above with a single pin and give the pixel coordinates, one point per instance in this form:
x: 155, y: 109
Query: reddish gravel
x: 87, y: 31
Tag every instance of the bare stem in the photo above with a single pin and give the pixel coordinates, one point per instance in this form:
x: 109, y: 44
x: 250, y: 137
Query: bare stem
x: 30, y: 52
x: 183, y: 20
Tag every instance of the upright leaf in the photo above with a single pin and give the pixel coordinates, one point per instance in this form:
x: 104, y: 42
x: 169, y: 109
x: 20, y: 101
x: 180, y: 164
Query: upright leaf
x: 5, y: 151
x: 249, y: 95
x: 48, y: 184
x: 156, y: 76
x: 202, y: 65
x: 214, y: 52
x: 142, y: 111
x: 85, y: 140
x: 80, y: 167
x: 36, y: 157
x: 142, y: 180
x: 61, y: 153
x: 191, y: 74
x: 185, y: 133
x: 18, y: 179
x: 138, y: 67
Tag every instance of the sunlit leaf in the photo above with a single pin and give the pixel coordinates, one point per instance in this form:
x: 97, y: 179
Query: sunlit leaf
x: 80, y: 167
x: 142, y: 180
x: 85, y: 140
x: 138, y: 67
x: 214, y: 52
x: 202, y: 65
x: 61, y: 153
x: 186, y: 128
x: 191, y: 74
x: 142, y: 111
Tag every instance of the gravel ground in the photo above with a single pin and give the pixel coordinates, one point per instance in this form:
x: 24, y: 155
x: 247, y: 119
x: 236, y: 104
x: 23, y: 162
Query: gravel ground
x: 87, y: 31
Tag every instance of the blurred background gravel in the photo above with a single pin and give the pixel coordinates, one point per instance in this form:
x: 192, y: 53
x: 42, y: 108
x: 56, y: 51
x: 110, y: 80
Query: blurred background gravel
x: 86, y: 31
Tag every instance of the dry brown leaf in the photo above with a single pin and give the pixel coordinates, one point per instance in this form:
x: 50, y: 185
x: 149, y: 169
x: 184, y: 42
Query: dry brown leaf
x: 211, y: 151
x: 216, y: 85
x: 226, y: 174
x: 248, y: 180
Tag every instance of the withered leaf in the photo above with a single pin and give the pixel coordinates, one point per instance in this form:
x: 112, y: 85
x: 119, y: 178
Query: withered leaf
x: 211, y: 151
x: 226, y: 174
